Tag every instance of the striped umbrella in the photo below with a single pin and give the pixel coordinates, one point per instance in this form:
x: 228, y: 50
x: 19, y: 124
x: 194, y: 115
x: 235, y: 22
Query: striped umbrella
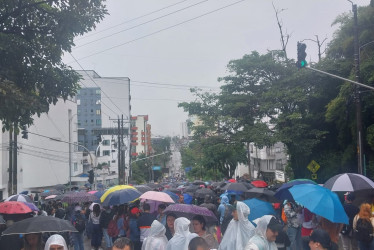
x: 119, y: 194
x: 349, y: 182
x: 78, y: 197
x: 20, y: 197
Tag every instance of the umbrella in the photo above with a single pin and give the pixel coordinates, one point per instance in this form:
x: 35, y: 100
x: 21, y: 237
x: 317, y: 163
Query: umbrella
x: 259, y: 208
x: 40, y: 224
x: 259, y: 183
x: 60, y: 187
x: 189, y: 211
x: 31, y: 206
x: 263, y: 194
x: 174, y: 190
x: 232, y: 180
x: 156, y: 196
x: 154, y: 185
x: 14, y: 207
x: 50, y: 192
x: 50, y: 197
x: 283, y: 193
x: 201, y: 193
x: 123, y: 196
x: 20, y: 197
x: 172, y: 195
x: 191, y: 189
x: 78, y: 197
x: 237, y: 188
x: 187, y: 198
x: 115, y: 188
x: 321, y: 201
x: 349, y: 182
x: 143, y: 188
x: 198, y: 183
x: 99, y: 193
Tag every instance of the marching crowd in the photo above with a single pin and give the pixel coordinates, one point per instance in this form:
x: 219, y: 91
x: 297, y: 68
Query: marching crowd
x: 144, y: 226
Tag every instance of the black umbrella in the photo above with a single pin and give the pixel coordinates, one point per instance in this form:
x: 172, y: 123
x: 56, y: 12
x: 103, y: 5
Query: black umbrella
x: 191, y: 189
x: 60, y: 187
x: 173, y: 190
x: 261, y: 194
x: 143, y: 188
x: 198, y: 183
x: 154, y: 185
x: 201, y: 193
x: 235, y: 187
x: 40, y: 224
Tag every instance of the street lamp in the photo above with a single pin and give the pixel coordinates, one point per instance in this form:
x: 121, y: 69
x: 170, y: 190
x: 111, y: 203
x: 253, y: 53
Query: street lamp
x: 70, y: 165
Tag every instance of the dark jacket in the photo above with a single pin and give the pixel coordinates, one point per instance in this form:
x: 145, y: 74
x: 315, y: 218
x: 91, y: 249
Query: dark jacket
x: 105, y: 218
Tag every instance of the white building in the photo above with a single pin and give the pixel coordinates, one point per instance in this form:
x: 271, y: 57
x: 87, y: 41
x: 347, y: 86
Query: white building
x: 43, y: 159
x: 184, y: 130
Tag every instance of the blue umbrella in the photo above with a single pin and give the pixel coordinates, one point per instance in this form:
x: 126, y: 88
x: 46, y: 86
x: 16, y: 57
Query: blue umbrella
x: 283, y: 192
x: 321, y: 201
x: 172, y: 195
x: 259, y: 208
x: 99, y: 193
x: 122, y: 196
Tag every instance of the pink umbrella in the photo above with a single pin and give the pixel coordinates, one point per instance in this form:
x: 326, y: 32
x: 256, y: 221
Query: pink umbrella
x: 92, y: 192
x: 156, y: 196
x: 50, y: 197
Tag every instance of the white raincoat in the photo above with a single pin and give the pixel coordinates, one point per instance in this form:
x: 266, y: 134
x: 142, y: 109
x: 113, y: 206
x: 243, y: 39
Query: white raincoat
x: 55, y: 239
x: 156, y: 238
x: 259, y: 240
x: 182, y: 236
x: 238, y: 232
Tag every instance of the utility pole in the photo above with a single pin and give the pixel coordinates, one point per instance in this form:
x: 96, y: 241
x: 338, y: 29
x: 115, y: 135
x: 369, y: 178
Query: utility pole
x: 10, y: 171
x: 122, y: 176
x: 119, y: 152
x: 14, y: 184
x: 357, y: 91
x: 249, y: 162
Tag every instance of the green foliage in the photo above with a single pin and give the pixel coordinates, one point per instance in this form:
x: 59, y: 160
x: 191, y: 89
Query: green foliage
x: 33, y: 37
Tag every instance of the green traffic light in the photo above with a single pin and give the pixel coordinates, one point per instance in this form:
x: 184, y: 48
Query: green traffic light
x: 302, y: 64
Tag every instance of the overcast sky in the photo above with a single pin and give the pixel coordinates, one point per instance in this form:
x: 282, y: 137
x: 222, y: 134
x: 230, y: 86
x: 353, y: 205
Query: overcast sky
x: 165, y: 46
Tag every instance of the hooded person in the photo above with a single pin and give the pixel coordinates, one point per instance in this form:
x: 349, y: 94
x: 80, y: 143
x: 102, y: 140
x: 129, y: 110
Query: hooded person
x: 156, y: 237
x: 182, y: 236
x: 240, y: 229
x: 55, y: 242
x: 222, y: 207
x: 266, y: 233
x: 208, y: 203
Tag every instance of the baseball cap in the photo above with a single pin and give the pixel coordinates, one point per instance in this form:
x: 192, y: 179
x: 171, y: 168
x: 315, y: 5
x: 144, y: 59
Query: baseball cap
x: 134, y: 210
x: 275, y: 225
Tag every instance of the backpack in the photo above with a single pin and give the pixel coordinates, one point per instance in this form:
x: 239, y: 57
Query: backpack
x: 79, y: 223
x: 113, y: 228
x: 283, y: 216
x: 364, y: 230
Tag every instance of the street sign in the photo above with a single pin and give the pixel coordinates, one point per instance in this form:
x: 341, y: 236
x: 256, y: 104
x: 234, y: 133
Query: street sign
x: 156, y: 168
x: 313, y: 166
x: 314, y: 176
x: 187, y: 169
x: 279, y: 176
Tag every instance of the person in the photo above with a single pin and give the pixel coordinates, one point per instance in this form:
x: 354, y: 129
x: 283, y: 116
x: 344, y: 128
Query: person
x: 240, y: 229
x: 170, y: 219
x: 320, y: 240
x: 182, y: 236
x: 198, y: 243
x: 266, y: 233
x: 208, y: 203
x: 55, y: 242
x: 60, y: 212
x: 123, y: 243
x: 134, y: 229
x: 293, y: 214
x: 363, y: 225
x: 78, y: 220
x: 121, y: 221
x: 156, y: 238
x: 225, y: 212
x: 332, y: 228
x: 33, y: 241
x: 161, y: 217
x: 222, y: 207
x: 346, y: 235
x: 145, y: 221
x: 199, y: 225
x: 105, y: 217
x: 94, y: 218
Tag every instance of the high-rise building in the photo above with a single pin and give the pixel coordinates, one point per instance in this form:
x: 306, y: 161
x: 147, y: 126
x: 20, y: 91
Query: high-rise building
x: 140, y: 135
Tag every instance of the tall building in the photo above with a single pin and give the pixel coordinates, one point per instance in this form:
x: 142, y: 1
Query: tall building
x: 89, y: 116
x: 140, y: 135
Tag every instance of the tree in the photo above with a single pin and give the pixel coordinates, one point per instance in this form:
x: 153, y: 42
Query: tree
x: 34, y: 34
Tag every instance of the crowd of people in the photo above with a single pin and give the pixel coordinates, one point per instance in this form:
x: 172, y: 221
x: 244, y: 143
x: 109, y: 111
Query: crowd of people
x: 146, y: 226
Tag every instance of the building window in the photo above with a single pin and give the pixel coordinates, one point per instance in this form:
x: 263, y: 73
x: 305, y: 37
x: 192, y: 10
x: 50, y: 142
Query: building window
x: 78, y: 102
x: 79, y: 122
x: 98, y: 111
x: 277, y: 150
x: 98, y: 101
x: 106, y: 152
x: 106, y: 143
x: 92, y: 121
x: 91, y: 110
x: 98, y: 122
x: 75, y: 166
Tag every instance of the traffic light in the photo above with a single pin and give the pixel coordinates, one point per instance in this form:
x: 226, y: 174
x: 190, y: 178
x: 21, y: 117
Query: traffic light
x: 91, y: 176
x: 25, y: 133
x: 301, y: 54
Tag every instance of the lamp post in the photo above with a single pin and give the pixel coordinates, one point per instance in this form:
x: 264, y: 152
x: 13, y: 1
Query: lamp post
x: 70, y: 117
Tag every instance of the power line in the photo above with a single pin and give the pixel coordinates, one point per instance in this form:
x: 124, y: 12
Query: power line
x: 111, y: 27
x: 147, y: 99
x: 133, y: 27
x: 159, y: 31
x: 98, y: 87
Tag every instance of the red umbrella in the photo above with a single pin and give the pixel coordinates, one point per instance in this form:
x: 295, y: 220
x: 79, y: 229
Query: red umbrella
x: 259, y: 183
x: 14, y: 207
x: 232, y: 180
